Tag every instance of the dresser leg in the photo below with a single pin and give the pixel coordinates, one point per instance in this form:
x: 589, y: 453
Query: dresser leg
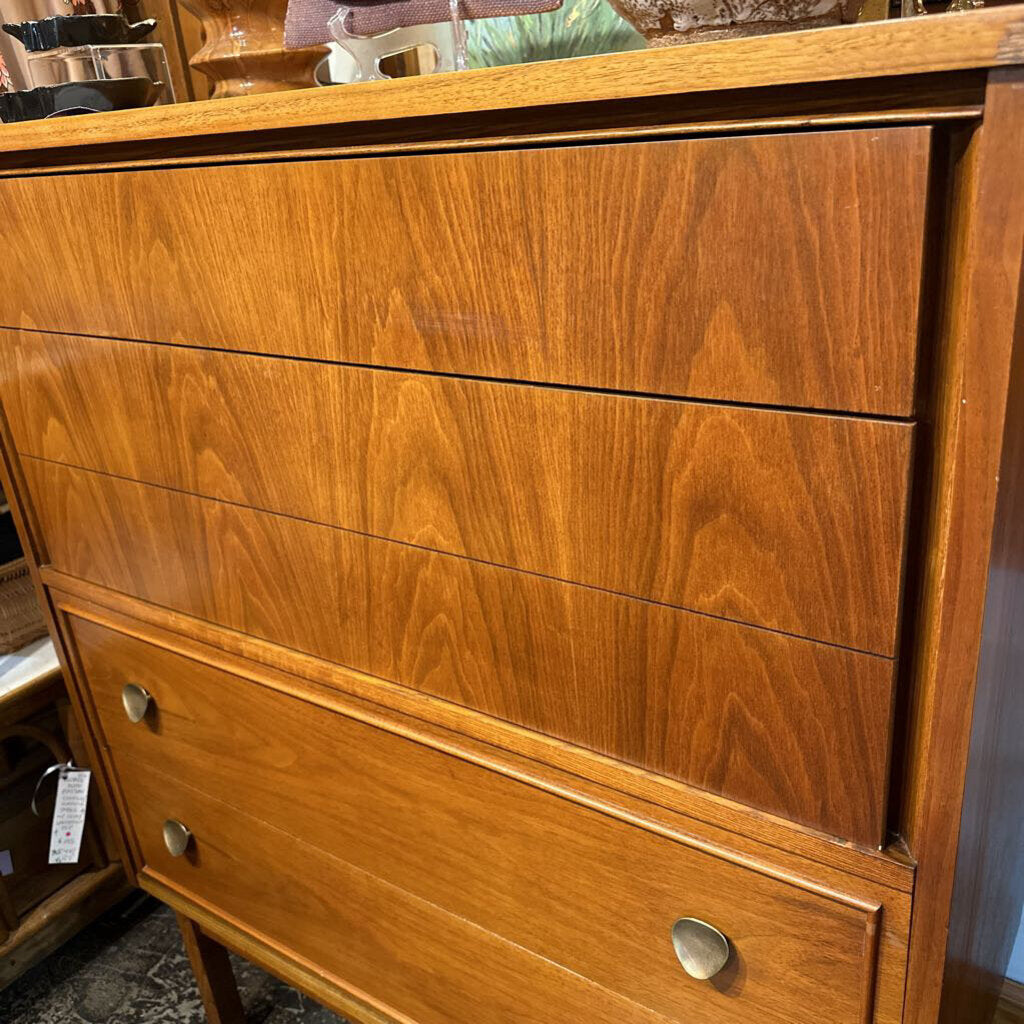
x: 212, y: 969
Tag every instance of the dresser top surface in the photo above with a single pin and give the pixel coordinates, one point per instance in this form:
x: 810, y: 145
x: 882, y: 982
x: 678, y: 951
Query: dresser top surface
x: 936, y: 43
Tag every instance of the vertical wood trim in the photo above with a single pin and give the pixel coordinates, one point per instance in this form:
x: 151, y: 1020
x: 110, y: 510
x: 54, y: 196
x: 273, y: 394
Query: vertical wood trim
x: 214, y: 976
x: 974, y: 347
x: 872, y: 948
x: 988, y: 890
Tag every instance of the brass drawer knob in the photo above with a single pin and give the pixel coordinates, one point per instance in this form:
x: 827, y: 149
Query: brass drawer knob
x: 702, y: 950
x: 136, y: 700
x: 176, y: 837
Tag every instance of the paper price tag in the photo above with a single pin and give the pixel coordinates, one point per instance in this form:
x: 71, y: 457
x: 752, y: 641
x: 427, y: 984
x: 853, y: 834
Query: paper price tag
x: 69, y: 815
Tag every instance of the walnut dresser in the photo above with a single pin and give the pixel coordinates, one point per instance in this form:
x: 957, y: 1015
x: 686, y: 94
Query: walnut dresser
x: 544, y: 545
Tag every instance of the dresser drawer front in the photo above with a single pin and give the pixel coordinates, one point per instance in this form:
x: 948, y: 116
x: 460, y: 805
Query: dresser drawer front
x: 581, y: 888
x: 794, y: 522
x: 775, y: 269
x: 400, y: 954
x: 798, y: 728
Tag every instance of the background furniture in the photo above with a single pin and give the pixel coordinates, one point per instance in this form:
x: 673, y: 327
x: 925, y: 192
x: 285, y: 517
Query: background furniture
x: 545, y: 544
x: 42, y: 905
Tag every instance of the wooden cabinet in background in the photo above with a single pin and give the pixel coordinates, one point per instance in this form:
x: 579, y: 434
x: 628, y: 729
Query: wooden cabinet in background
x: 43, y: 905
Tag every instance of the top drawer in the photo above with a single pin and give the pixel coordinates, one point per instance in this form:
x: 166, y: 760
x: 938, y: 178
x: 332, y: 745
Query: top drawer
x: 777, y: 269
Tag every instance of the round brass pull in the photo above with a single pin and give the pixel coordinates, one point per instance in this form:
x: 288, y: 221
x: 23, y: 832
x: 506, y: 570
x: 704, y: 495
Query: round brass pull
x: 136, y: 700
x: 176, y: 837
x: 702, y: 950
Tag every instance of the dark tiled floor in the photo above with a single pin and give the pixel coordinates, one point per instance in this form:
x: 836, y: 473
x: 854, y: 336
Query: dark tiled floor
x: 130, y: 968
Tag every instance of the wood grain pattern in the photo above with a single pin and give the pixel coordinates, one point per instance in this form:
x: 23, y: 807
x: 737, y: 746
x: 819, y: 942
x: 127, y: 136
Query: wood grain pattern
x: 978, y: 332
x: 490, y: 850
x: 534, y: 758
x: 13, y: 485
x: 693, y: 697
x: 501, y: 263
x: 781, y: 850
x: 407, y: 957
x: 945, y: 782
x: 793, y: 522
x: 862, y: 52
x: 937, y: 99
x: 212, y: 969
x: 317, y: 983
x: 53, y: 922
x: 1010, y: 1007
x: 988, y: 888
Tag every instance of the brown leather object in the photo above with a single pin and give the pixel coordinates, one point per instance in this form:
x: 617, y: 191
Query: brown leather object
x: 306, y: 20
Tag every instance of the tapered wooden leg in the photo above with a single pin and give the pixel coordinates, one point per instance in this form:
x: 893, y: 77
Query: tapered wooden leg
x: 212, y: 969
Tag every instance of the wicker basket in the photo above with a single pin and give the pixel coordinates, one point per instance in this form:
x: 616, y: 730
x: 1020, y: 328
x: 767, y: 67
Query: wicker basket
x: 21, y: 618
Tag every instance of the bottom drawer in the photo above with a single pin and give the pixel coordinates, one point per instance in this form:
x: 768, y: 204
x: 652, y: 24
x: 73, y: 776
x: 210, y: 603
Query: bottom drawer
x: 381, y: 858
x: 391, y: 949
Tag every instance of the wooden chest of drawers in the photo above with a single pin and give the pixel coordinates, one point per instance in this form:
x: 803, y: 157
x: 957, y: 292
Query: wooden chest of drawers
x: 532, y: 566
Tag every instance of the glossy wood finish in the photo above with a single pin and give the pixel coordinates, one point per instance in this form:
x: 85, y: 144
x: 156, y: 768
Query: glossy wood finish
x: 14, y: 487
x: 406, y: 956
x: 794, y: 522
x: 540, y: 760
x: 624, y: 267
x: 651, y: 685
x: 563, y: 90
x: 317, y: 983
x: 399, y: 825
x: 943, y: 779
x: 275, y: 757
x: 42, y: 907
x: 936, y: 99
x: 979, y: 333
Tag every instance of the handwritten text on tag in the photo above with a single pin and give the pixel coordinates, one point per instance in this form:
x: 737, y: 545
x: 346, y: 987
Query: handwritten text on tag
x: 69, y: 815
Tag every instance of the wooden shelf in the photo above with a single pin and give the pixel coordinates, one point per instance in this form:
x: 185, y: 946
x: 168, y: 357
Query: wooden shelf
x: 59, y: 917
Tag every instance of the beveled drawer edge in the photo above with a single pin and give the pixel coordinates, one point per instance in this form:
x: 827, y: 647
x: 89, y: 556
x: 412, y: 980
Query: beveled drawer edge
x: 612, y: 995
x: 870, y: 911
x: 333, y: 686
x: 318, y: 984
x: 885, y: 910
x: 266, y: 663
x: 870, y: 917
x: 957, y: 109
x: 432, y: 730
